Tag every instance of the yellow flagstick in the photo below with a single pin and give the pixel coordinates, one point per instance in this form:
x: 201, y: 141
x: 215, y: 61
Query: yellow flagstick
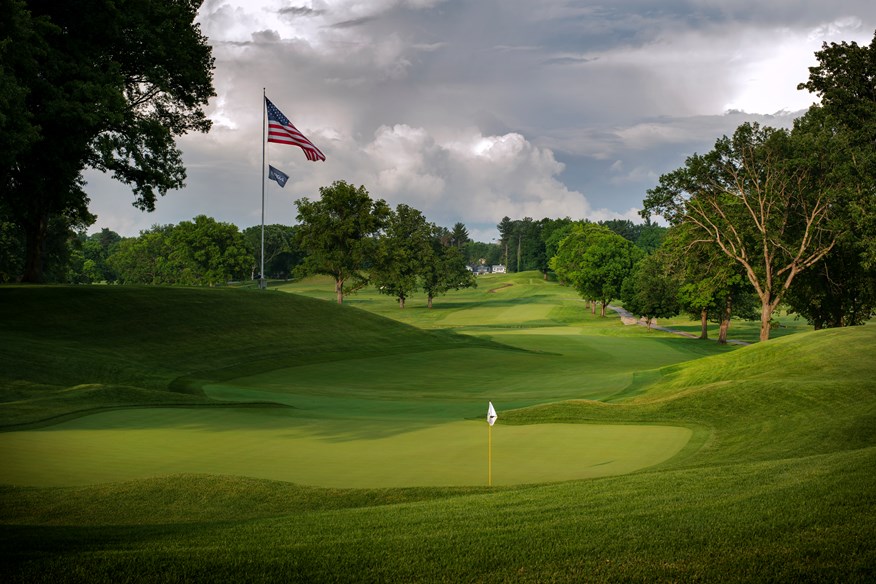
x: 490, y: 455
x: 491, y: 419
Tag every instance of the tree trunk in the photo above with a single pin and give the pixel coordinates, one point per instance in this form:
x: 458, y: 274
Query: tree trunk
x: 518, y: 253
x: 725, y: 322
x: 429, y: 301
x: 648, y: 321
x: 766, y: 315
x: 592, y: 307
x: 401, y: 301
x: 704, y: 324
x: 339, y: 289
x: 603, y: 308
x: 35, y: 243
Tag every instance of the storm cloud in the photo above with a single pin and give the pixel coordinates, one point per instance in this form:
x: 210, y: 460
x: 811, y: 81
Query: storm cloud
x: 470, y: 111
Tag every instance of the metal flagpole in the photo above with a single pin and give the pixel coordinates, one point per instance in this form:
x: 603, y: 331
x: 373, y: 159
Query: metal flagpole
x: 262, y: 282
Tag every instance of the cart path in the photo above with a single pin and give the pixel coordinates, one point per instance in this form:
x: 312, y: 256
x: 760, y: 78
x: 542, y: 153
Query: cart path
x: 627, y: 318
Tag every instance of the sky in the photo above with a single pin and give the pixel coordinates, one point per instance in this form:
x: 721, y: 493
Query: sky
x: 473, y: 110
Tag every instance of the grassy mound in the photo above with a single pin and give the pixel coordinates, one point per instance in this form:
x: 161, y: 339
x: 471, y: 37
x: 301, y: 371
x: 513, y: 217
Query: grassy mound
x: 807, y: 394
x: 65, y: 350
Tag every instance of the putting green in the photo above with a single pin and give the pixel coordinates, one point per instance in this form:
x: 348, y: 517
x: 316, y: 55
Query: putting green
x: 285, y: 445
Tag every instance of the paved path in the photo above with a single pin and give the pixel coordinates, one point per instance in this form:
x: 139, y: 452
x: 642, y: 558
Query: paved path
x: 628, y: 319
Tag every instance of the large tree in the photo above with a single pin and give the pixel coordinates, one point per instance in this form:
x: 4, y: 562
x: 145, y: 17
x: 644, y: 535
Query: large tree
x: 845, y: 121
x: 403, y: 252
x: 201, y: 252
x: 446, y: 270
x: 282, y: 253
x: 710, y: 285
x: 100, y: 84
x: 649, y: 291
x: 459, y: 235
x: 760, y: 198
x: 208, y: 252
x: 841, y: 289
x: 595, y: 261
x: 339, y: 234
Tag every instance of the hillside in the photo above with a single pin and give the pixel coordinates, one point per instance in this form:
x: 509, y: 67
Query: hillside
x: 802, y: 395
x: 67, y: 349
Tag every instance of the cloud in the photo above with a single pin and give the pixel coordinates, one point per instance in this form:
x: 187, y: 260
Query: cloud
x: 470, y: 111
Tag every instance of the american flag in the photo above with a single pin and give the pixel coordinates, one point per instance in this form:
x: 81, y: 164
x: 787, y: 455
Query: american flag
x: 281, y: 131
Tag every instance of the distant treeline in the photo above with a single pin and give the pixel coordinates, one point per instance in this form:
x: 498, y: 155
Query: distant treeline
x: 205, y: 252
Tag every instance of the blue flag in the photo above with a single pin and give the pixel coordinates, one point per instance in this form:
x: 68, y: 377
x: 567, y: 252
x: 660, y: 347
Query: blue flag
x: 277, y: 175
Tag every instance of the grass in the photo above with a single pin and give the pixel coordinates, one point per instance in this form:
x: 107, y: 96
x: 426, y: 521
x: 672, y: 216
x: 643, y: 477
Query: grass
x: 774, y: 484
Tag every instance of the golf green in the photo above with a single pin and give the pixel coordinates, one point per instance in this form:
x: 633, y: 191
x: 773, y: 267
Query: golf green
x: 286, y: 444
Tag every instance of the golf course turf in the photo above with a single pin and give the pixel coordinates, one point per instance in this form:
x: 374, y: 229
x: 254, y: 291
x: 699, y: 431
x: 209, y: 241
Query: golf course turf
x: 240, y: 435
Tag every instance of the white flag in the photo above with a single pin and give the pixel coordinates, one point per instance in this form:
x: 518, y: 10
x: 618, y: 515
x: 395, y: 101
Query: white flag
x: 491, y: 415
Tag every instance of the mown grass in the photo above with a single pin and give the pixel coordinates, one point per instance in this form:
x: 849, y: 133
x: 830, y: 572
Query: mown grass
x: 66, y: 350
x: 777, y: 484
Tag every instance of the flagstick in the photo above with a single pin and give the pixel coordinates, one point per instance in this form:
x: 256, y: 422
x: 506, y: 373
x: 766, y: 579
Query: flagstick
x: 489, y: 455
x: 262, y: 282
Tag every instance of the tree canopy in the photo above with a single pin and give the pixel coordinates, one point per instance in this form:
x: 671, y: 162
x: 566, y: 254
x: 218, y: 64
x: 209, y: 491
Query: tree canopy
x: 752, y: 199
x: 338, y: 233
x: 89, y: 83
x: 595, y: 260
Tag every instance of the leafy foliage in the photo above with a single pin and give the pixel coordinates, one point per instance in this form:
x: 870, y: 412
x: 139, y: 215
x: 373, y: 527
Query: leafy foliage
x: 201, y: 252
x: 112, y: 101
x: 595, y: 261
x: 650, y: 290
x: 750, y: 200
x: 403, y: 253
x: 282, y: 253
x: 339, y: 233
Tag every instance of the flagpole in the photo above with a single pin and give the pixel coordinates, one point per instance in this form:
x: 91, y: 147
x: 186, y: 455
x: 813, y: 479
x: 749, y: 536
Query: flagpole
x: 262, y: 282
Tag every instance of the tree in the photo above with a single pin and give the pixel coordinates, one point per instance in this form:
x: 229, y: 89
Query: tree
x: 480, y: 253
x: 605, y: 265
x: 754, y: 199
x: 505, y: 227
x: 282, y: 254
x: 144, y: 259
x: 841, y: 289
x: 403, y: 252
x: 112, y: 101
x: 90, y: 255
x: 649, y: 291
x: 338, y: 233
x: 838, y: 291
x: 201, y: 252
x: 595, y: 261
x: 459, y: 235
x: 208, y: 252
x: 446, y: 271
x: 711, y: 286
x: 553, y: 233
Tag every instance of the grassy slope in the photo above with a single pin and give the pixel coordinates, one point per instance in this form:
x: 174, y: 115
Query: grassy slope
x: 778, y: 487
x: 66, y: 350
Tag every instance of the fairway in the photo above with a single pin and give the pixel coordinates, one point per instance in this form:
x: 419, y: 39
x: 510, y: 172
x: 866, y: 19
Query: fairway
x: 282, y: 444
x: 187, y: 435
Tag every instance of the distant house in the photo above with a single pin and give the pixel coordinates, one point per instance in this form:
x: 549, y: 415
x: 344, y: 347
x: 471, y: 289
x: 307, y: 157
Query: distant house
x: 498, y: 269
x: 481, y: 270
